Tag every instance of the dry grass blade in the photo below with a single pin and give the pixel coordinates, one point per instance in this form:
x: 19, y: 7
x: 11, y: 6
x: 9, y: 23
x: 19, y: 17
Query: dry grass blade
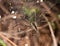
x: 52, y: 33
x: 1, y: 35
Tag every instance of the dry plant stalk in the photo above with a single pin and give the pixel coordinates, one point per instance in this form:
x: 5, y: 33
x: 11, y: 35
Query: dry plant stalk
x: 4, y: 9
x: 1, y: 35
x: 51, y: 13
x: 52, y: 33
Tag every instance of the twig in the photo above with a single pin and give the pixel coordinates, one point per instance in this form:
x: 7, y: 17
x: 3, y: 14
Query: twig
x: 1, y: 35
x: 4, y: 9
x: 34, y: 26
x: 39, y: 28
x: 51, y: 13
x: 52, y: 33
x: 8, y: 35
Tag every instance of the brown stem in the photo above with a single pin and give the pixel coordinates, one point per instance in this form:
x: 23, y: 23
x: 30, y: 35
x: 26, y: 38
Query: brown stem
x: 54, y: 15
x: 1, y: 35
x: 4, y: 9
x: 52, y: 33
